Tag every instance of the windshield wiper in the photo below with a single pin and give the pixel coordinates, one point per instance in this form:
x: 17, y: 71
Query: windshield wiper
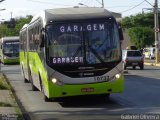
x: 77, y: 51
x: 95, y: 53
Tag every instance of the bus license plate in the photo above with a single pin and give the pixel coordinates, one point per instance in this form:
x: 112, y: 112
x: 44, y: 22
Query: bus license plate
x: 87, y: 90
x: 101, y: 78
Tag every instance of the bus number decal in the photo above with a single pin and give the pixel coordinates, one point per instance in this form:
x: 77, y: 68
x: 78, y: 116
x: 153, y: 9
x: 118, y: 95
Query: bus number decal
x: 101, y: 78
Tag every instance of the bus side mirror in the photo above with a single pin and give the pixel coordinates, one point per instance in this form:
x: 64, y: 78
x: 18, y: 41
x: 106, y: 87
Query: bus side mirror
x: 120, y: 32
x: 42, y: 37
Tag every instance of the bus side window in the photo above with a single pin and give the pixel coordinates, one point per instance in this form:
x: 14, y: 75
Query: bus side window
x: 42, y: 37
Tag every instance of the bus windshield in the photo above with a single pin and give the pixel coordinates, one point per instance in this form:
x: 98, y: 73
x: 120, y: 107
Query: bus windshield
x: 83, y: 43
x: 11, y: 47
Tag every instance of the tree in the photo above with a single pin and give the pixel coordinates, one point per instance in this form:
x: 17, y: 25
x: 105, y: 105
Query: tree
x: 5, y: 31
x: 139, y: 20
x: 141, y: 29
x: 126, y: 22
x: 141, y: 36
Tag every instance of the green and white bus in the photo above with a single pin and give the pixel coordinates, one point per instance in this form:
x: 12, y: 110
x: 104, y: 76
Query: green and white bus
x: 72, y: 52
x: 9, y: 50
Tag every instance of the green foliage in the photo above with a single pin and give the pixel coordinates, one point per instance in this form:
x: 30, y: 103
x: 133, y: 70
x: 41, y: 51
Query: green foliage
x: 3, y: 83
x: 141, y: 29
x: 139, y: 20
x: 5, y: 31
x: 141, y: 36
x: 3, y: 104
x: 126, y: 22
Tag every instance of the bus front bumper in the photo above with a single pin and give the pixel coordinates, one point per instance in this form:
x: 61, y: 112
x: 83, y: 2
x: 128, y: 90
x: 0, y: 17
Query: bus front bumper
x: 56, y: 91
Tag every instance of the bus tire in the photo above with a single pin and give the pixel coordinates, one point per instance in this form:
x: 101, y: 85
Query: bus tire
x: 32, y: 85
x: 105, y: 97
x: 46, y: 99
x: 24, y: 79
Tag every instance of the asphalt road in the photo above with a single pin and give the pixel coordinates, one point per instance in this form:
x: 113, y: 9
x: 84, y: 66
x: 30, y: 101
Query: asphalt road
x: 141, y: 96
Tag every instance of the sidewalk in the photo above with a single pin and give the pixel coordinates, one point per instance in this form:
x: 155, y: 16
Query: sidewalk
x: 8, y: 107
x: 152, y: 64
x: 7, y: 102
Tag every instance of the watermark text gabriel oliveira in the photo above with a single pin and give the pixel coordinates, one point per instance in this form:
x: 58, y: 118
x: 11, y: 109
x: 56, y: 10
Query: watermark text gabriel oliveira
x: 140, y: 116
x: 8, y: 117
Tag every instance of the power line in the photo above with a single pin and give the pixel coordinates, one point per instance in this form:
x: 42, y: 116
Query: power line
x: 149, y: 3
x: 87, y: 2
x: 133, y: 7
x: 98, y: 1
x: 119, y: 6
x: 90, y: 2
x: 37, y: 1
x: 81, y: 1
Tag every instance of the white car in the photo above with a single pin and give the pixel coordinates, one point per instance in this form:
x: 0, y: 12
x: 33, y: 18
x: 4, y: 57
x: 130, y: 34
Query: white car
x: 149, y: 52
x: 132, y: 58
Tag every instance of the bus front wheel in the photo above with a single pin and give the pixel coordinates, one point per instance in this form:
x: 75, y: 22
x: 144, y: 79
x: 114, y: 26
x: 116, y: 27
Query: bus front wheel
x: 24, y: 79
x: 46, y: 99
x: 106, y: 96
x: 32, y: 85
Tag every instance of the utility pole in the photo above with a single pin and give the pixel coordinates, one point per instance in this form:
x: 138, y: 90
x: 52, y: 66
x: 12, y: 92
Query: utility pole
x: 102, y: 4
x: 156, y: 25
x: 156, y: 29
x: 11, y: 15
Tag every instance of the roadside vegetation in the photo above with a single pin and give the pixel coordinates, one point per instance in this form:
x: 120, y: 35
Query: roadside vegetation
x: 141, y: 29
x: 3, y: 87
x: 5, y: 31
x: 3, y: 83
x: 3, y: 104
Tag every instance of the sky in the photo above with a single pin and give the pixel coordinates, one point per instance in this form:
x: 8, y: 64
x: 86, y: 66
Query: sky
x: 21, y: 8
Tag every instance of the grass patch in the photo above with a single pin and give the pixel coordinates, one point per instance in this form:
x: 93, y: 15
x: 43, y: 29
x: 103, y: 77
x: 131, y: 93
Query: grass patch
x: 3, y: 83
x: 5, y: 86
x: 3, y: 104
x: 19, y: 114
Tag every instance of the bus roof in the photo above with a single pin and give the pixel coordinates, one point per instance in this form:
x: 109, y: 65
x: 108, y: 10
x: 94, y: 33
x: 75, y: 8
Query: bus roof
x: 78, y: 13
x: 24, y: 26
x: 10, y: 38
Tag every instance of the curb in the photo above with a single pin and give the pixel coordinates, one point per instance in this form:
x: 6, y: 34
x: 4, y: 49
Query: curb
x: 25, y: 115
x: 152, y: 64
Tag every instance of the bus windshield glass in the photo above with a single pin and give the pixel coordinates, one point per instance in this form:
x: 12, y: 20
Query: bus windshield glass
x: 83, y: 43
x: 11, y: 47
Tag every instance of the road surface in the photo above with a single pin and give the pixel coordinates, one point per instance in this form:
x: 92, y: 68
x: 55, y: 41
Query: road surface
x: 141, y: 96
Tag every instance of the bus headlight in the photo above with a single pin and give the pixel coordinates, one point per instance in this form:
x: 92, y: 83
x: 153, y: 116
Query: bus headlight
x: 54, y: 80
x: 57, y: 81
x: 117, y: 76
